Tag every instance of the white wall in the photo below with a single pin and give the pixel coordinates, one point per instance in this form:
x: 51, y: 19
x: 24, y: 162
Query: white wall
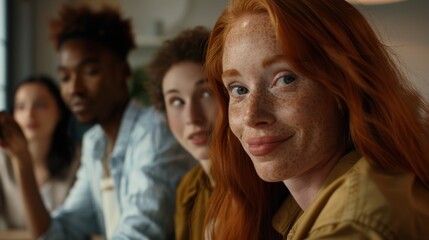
x: 30, y: 48
x: 403, y: 26
x: 157, y: 20
x: 46, y: 57
x: 2, y: 55
x: 147, y: 17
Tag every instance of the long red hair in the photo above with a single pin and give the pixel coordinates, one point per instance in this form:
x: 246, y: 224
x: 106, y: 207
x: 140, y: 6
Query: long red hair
x: 328, y: 41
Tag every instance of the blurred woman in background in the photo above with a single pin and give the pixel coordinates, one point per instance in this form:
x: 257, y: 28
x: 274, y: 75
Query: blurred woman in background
x: 44, y: 120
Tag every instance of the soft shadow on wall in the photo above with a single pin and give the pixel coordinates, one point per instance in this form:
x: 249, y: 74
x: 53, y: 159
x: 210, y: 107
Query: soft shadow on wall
x: 403, y: 27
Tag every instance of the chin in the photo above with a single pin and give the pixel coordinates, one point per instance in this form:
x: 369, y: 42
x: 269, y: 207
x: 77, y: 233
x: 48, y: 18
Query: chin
x: 85, y: 119
x: 30, y: 137
x: 270, y: 173
x: 268, y: 178
x: 200, y: 155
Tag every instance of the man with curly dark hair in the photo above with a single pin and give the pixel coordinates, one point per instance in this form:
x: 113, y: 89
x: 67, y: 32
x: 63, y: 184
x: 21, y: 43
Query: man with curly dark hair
x: 131, y: 164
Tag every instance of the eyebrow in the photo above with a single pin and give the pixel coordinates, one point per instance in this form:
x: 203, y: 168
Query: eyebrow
x: 82, y: 63
x: 230, y: 73
x: 201, y: 82
x: 272, y: 60
x: 198, y: 83
x: 265, y: 63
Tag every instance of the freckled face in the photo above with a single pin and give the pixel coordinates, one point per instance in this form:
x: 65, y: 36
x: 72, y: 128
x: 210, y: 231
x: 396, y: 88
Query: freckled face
x: 288, y: 124
x: 190, y: 107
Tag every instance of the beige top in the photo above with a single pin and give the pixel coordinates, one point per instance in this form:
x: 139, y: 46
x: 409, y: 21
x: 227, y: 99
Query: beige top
x: 358, y: 201
x: 53, y: 193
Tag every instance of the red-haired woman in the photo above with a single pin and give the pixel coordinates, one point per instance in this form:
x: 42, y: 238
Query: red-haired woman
x: 310, y: 97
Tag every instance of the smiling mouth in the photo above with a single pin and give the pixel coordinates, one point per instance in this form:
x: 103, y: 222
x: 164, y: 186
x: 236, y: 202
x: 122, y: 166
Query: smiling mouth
x: 263, y: 149
x: 264, y: 146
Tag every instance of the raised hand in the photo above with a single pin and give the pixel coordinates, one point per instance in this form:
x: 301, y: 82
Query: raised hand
x: 13, y: 140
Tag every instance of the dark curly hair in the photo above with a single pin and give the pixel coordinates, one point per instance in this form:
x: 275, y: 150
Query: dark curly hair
x: 62, y: 150
x: 189, y: 45
x: 105, y: 26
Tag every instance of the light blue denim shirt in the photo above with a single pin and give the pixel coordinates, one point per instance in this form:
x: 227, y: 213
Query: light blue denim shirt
x: 146, y: 164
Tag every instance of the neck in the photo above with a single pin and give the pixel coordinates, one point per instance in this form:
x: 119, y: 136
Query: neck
x: 39, y: 150
x: 305, y: 187
x: 111, y: 127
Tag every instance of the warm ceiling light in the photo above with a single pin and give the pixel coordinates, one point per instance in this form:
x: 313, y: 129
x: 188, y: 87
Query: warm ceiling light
x: 372, y: 2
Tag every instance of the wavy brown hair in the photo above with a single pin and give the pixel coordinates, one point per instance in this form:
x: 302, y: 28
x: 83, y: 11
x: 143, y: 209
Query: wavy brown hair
x: 189, y: 45
x: 104, y: 26
x: 330, y: 42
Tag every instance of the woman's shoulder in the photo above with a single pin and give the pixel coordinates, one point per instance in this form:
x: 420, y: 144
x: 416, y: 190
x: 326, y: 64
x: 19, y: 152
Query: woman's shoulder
x: 388, y: 201
x: 191, y: 178
x: 3, y: 158
x: 188, y: 185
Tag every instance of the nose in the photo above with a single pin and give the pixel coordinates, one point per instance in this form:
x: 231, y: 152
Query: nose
x: 30, y: 112
x: 258, y: 111
x: 194, y: 113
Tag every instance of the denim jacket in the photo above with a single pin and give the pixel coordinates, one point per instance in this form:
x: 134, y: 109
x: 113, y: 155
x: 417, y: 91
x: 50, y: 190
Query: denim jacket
x: 146, y: 165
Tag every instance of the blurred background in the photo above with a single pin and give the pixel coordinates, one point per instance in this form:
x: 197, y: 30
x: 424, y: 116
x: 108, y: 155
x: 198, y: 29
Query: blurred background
x: 25, y: 47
